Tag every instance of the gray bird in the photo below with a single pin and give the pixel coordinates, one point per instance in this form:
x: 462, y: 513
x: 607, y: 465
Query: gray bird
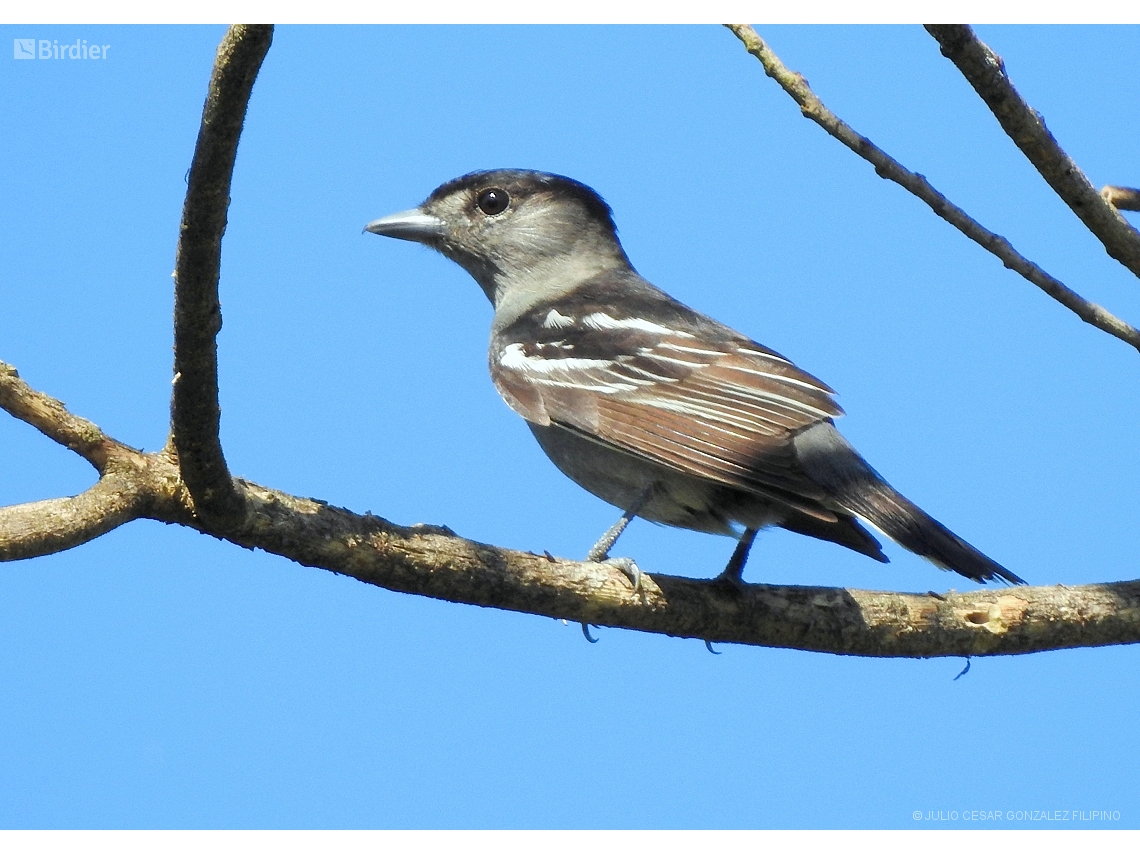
x: 649, y: 405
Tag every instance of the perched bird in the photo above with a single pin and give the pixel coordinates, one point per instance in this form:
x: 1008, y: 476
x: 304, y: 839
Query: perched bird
x: 649, y: 405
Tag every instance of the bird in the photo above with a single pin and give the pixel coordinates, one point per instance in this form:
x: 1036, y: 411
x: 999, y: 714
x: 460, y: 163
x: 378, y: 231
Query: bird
x: 653, y: 407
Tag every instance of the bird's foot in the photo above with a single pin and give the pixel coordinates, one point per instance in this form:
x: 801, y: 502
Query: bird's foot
x: 730, y: 583
x: 627, y: 566
x: 600, y: 551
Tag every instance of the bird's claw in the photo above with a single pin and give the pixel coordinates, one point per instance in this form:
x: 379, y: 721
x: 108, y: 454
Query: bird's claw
x: 965, y: 670
x: 627, y: 566
x: 601, y: 550
x: 730, y: 582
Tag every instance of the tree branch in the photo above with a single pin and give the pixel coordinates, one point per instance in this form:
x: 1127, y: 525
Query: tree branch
x: 53, y: 525
x: 51, y: 418
x: 131, y: 484
x: 1121, y: 198
x: 985, y: 71
x: 887, y: 167
x: 195, y: 414
x: 433, y: 562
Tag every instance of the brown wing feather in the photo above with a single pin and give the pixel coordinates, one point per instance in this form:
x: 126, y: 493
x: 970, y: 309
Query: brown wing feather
x: 726, y: 412
x: 700, y: 449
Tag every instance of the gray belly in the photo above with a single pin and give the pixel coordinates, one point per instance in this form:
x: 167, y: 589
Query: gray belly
x: 679, y: 500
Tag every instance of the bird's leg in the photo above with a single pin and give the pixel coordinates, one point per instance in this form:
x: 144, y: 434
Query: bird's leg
x: 735, y: 567
x: 600, y: 551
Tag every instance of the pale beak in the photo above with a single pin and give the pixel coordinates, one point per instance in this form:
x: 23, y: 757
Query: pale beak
x: 408, y: 225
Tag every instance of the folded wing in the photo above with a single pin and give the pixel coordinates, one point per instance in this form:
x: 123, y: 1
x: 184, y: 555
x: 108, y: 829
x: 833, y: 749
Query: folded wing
x: 679, y: 390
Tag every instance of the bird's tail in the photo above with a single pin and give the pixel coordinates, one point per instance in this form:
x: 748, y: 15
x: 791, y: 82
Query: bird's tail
x: 831, y: 461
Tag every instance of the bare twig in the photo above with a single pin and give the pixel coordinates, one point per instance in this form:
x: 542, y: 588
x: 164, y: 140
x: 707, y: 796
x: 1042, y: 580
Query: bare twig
x: 195, y: 414
x: 1121, y: 198
x: 887, y: 167
x: 51, y: 418
x: 985, y: 71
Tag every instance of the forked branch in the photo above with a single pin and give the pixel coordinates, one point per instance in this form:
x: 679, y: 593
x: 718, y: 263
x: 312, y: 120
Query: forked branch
x: 887, y: 167
x: 985, y: 71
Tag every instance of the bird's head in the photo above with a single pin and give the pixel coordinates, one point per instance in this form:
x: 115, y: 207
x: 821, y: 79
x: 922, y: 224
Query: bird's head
x: 515, y: 231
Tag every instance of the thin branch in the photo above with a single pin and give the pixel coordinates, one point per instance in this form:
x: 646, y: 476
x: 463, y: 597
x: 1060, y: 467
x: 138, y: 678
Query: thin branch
x: 887, y: 167
x: 1121, y: 198
x: 195, y: 414
x: 985, y: 71
x: 51, y: 418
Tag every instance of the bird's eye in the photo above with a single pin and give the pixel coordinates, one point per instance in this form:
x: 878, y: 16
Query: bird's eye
x: 493, y: 201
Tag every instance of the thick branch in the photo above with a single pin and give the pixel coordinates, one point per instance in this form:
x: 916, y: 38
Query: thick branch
x: 195, y: 414
x: 433, y: 562
x: 985, y: 71
x: 887, y: 167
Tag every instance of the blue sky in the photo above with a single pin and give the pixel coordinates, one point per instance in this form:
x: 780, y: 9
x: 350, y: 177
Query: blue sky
x: 160, y: 678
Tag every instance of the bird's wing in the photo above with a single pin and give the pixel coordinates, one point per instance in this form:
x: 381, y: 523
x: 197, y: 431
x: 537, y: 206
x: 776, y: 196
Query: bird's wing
x: 670, y: 386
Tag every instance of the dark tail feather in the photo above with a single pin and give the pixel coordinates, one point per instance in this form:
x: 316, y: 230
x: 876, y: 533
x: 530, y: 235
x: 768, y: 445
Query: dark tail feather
x: 911, y: 527
x: 831, y: 461
x: 846, y: 531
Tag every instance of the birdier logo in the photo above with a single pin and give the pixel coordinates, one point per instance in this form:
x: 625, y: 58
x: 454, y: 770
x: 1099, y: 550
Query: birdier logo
x: 52, y: 49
